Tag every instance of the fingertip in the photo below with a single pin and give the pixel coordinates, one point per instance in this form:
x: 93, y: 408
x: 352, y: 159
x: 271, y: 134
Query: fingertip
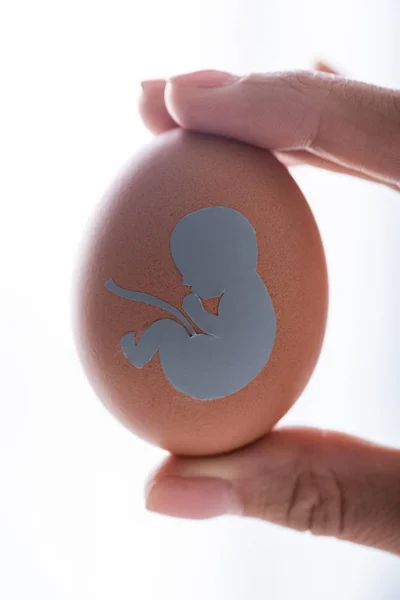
x: 152, y: 108
x: 189, y: 98
x: 175, y: 98
x: 149, y: 85
x: 191, y: 498
x: 199, y: 107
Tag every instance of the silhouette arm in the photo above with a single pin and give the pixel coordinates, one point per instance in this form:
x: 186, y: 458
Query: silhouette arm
x: 148, y: 299
x: 194, y: 309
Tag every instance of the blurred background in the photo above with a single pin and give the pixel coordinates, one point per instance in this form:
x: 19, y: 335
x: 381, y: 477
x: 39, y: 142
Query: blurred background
x: 72, y: 519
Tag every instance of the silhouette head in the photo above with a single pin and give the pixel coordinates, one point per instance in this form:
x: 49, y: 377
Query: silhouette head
x: 213, y: 247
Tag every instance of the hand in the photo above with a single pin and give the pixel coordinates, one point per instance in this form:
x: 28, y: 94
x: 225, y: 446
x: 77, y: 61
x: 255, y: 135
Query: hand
x: 325, y: 482
x: 313, y: 117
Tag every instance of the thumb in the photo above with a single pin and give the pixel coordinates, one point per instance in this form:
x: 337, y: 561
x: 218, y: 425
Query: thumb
x: 305, y: 479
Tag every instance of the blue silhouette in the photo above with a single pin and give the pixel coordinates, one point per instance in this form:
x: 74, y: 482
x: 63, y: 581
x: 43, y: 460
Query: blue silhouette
x: 216, y: 251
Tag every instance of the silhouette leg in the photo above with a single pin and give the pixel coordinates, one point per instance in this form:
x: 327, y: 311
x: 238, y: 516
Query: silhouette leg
x: 163, y: 332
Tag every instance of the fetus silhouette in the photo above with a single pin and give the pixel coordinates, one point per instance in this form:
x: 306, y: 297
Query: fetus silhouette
x: 216, y: 251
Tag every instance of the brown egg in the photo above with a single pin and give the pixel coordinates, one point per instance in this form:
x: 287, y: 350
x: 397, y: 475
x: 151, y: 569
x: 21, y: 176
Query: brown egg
x: 224, y: 225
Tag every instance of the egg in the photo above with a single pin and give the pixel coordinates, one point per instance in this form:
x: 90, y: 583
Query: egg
x: 201, y: 294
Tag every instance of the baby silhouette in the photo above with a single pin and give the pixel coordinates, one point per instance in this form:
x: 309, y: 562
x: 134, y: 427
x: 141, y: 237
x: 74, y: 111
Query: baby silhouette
x: 216, y: 251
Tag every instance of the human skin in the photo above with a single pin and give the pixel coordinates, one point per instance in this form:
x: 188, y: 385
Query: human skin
x: 310, y: 480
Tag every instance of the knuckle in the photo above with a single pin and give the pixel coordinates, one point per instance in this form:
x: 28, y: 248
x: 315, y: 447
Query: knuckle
x: 312, y: 91
x: 300, y: 492
x: 305, y: 94
x: 316, y: 501
x: 300, y: 81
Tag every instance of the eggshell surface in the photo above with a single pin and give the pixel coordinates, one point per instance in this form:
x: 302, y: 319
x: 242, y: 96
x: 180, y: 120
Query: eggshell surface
x: 167, y: 244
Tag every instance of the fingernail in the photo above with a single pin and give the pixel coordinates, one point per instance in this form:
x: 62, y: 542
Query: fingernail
x: 204, y: 79
x: 150, y: 84
x: 191, y: 498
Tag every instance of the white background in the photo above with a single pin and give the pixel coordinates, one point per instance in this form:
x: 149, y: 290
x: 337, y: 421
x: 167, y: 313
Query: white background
x: 72, y: 521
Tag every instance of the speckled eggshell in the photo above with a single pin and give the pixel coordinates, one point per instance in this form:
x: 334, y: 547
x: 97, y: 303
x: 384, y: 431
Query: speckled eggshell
x: 129, y: 240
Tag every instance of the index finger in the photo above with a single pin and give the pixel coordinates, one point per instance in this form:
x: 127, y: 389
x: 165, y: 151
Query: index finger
x: 353, y: 124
